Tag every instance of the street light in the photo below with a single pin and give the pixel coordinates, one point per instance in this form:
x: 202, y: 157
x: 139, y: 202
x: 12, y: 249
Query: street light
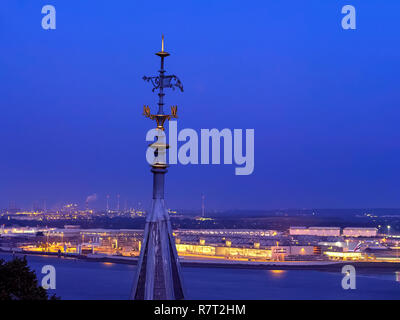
x: 388, y: 227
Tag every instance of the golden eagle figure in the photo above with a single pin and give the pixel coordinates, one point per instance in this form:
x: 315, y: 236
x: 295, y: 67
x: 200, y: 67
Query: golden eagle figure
x: 174, y: 112
x: 146, y: 112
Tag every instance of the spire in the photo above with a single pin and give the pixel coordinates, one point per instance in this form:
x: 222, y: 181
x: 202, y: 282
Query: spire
x: 158, y: 274
x: 162, y: 53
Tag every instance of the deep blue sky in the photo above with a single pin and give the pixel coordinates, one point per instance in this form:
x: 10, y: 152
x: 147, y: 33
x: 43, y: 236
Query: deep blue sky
x: 324, y: 102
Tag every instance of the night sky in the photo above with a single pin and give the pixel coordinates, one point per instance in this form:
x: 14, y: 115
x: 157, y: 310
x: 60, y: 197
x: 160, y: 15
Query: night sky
x: 324, y: 102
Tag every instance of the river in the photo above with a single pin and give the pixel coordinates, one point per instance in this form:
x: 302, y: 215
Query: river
x: 80, y: 279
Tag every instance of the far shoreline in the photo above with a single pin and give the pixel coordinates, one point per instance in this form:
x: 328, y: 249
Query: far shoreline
x: 327, y: 266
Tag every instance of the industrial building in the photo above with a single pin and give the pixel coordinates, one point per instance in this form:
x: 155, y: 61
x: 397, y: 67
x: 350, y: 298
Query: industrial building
x: 315, y: 231
x: 360, y: 232
x: 333, y: 232
x: 299, y: 244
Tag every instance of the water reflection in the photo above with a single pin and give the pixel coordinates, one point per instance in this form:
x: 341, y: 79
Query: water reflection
x: 277, y: 273
x: 108, y: 263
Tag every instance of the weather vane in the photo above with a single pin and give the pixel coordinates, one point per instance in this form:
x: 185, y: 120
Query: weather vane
x: 160, y: 82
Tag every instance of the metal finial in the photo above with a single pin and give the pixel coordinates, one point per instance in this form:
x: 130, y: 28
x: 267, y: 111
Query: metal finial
x: 161, y: 82
x: 162, y: 54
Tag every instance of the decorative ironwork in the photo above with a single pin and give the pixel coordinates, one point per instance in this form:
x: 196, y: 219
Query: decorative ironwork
x: 159, y: 83
x: 160, y: 118
x: 174, y: 112
x: 171, y: 81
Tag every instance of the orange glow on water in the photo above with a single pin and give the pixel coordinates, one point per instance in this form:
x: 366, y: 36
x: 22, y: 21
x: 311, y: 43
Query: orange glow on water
x: 277, y: 273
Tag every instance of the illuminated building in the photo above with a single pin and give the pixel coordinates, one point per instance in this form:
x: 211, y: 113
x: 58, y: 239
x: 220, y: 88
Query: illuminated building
x: 315, y: 231
x: 345, y: 255
x: 198, y: 244
x: 230, y: 232
x: 280, y: 253
x: 360, y: 232
x: 333, y: 231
